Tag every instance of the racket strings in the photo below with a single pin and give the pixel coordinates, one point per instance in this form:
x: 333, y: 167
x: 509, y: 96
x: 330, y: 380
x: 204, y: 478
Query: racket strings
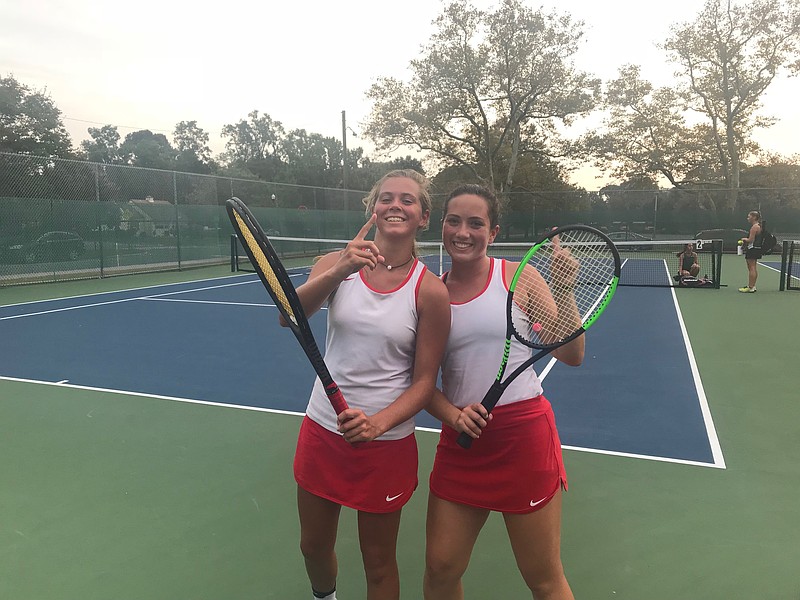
x: 272, y: 280
x: 578, y: 268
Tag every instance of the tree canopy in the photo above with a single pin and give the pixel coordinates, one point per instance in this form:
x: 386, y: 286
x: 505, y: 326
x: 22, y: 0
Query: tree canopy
x: 104, y: 145
x: 147, y: 149
x: 489, y: 97
x: 728, y: 57
x: 30, y: 122
x: 489, y: 88
x: 700, y: 131
x: 191, y: 142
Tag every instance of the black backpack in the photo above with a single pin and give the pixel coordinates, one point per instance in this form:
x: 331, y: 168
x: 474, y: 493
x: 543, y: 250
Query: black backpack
x: 768, y: 240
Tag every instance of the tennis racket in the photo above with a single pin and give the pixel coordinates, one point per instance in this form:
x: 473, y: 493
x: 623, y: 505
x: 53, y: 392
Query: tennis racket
x: 576, y: 264
x: 275, y: 278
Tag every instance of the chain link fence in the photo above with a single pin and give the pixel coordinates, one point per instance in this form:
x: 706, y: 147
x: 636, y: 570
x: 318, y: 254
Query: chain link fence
x: 63, y: 219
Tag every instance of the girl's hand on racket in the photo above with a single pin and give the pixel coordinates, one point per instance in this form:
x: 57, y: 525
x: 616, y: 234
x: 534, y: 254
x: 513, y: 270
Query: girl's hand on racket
x: 472, y: 420
x: 360, y: 252
x: 565, y: 273
x: 564, y: 266
x: 355, y: 426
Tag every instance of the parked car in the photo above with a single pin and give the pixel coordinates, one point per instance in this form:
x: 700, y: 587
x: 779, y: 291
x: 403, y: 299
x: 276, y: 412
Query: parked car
x: 50, y: 246
x: 730, y: 237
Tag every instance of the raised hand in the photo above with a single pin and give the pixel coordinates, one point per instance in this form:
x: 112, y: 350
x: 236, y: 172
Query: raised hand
x: 564, y: 266
x: 360, y: 252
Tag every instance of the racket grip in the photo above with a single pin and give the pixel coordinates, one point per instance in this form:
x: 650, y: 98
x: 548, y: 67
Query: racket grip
x: 464, y: 440
x: 336, y: 398
x: 489, y: 401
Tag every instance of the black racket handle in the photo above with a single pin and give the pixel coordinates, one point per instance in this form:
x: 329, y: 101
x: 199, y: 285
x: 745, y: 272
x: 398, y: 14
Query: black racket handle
x: 489, y: 401
x: 464, y: 441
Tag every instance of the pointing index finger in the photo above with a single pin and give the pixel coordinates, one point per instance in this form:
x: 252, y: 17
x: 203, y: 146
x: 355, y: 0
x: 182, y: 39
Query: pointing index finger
x: 556, y: 240
x: 362, y: 234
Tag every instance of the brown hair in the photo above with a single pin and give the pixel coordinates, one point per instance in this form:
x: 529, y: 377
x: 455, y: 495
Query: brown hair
x: 492, y: 203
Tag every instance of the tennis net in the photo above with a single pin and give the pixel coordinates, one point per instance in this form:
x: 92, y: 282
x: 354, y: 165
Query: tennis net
x: 790, y: 265
x: 644, y: 263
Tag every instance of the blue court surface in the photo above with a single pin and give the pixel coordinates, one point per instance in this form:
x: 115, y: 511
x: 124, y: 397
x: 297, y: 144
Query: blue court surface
x: 218, y: 341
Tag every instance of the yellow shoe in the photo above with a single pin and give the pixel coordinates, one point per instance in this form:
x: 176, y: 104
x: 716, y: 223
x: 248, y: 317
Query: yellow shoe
x: 747, y: 290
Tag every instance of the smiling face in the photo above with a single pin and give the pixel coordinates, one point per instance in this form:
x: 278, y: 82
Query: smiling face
x: 395, y: 184
x: 398, y: 206
x: 466, y: 228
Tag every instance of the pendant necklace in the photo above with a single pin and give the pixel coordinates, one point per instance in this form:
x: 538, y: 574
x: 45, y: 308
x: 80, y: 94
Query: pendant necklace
x: 390, y: 267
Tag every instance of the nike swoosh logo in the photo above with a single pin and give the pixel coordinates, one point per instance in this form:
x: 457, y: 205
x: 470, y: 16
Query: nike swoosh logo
x: 537, y: 503
x: 392, y: 498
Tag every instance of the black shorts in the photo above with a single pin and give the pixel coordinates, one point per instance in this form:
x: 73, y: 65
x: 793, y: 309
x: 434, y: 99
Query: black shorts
x: 753, y: 253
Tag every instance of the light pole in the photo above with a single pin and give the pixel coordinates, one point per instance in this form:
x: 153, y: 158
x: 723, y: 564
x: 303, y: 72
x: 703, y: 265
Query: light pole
x: 344, y: 160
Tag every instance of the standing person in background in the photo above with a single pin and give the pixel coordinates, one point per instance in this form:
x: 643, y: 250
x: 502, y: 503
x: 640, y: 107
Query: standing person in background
x: 689, y: 267
x: 752, y: 246
x: 388, y: 320
x: 515, y: 466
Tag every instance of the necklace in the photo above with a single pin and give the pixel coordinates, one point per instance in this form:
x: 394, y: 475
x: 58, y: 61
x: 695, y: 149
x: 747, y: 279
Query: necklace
x: 390, y: 267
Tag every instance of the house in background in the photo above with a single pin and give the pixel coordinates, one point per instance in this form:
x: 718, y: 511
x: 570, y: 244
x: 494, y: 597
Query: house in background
x: 149, y: 217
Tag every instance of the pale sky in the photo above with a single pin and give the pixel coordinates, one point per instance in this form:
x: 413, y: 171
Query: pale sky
x: 151, y: 64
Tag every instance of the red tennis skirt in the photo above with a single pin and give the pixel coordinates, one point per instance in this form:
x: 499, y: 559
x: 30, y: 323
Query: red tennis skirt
x: 375, y: 477
x: 515, y: 466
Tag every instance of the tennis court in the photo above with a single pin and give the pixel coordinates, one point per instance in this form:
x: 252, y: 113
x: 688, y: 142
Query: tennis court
x: 148, y: 427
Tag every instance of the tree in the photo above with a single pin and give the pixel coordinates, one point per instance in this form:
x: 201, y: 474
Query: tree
x: 312, y: 159
x: 147, y: 149
x: 30, y: 122
x: 256, y: 145
x: 728, y: 57
x: 104, y: 145
x: 774, y: 182
x: 646, y: 134
x: 191, y: 142
x: 488, y: 84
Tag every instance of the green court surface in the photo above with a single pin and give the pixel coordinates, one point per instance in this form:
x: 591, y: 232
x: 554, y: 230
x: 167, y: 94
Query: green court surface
x: 106, y: 495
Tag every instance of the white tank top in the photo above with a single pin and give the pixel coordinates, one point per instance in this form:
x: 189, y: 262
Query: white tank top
x: 370, y: 348
x: 475, y: 348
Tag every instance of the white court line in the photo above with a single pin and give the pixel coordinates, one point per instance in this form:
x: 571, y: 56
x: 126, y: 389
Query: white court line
x: 679, y: 461
x: 156, y: 299
x: 144, y: 395
x: 149, y: 287
x: 157, y: 296
x: 67, y: 308
x: 63, y: 384
x: 200, y: 289
x: 711, y: 431
x: 550, y: 364
x: 770, y: 267
x: 96, y: 304
x: 153, y: 299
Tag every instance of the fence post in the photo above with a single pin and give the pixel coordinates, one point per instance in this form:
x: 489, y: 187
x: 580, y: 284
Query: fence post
x: 655, y: 217
x: 177, y: 217
x: 98, y: 213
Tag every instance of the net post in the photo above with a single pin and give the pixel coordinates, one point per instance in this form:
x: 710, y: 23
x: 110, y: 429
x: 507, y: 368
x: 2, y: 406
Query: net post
x: 784, y: 263
x: 233, y: 253
x: 717, y: 263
